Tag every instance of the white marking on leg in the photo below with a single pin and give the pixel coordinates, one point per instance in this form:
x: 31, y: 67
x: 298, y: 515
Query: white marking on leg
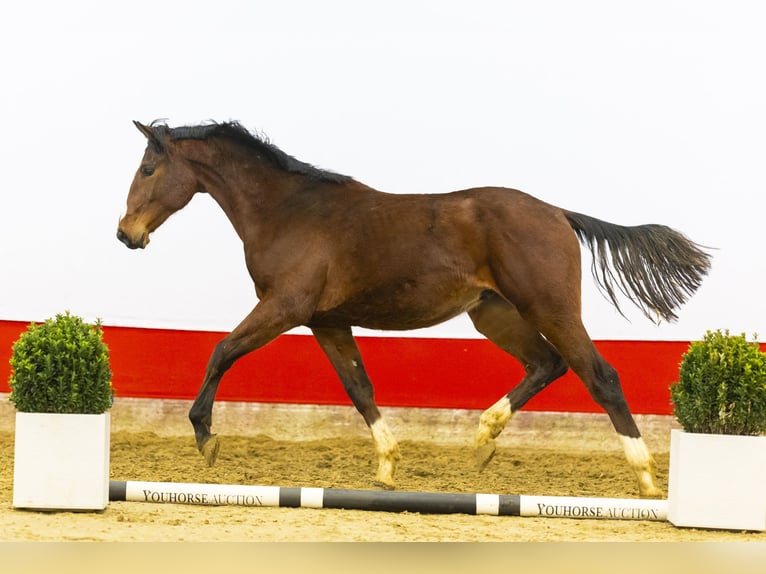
x: 642, y: 464
x: 493, y: 421
x: 387, y: 450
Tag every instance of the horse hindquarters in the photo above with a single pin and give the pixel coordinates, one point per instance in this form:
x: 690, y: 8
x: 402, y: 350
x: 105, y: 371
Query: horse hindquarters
x: 543, y: 282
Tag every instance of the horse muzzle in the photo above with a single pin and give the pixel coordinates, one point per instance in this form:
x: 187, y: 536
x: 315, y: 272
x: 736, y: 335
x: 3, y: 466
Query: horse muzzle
x: 133, y: 242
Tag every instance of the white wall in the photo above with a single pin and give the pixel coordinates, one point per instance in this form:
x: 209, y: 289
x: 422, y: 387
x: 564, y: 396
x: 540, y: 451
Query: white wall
x: 632, y: 112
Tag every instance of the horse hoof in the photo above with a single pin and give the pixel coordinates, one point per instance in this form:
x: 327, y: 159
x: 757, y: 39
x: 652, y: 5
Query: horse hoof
x: 483, y: 454
x: 384, y: 485
x: 651, y: 493
x: 210, y: 450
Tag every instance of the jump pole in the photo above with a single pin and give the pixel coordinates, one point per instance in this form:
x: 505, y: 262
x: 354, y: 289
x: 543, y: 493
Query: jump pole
x: 388, y: 500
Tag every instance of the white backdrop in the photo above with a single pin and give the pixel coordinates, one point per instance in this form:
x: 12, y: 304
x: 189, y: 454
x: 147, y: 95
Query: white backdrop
x: 631, y: 112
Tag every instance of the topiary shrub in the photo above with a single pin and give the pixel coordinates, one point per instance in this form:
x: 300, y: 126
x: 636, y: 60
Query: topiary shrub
x: 61, y: 366
x: 722, y: 386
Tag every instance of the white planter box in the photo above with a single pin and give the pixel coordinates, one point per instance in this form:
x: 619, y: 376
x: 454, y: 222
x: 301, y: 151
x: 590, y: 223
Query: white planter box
x: 61, y: 461
x: 717, y: 481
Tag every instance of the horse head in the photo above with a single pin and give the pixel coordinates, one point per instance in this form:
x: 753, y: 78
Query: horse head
x: 164, y: 183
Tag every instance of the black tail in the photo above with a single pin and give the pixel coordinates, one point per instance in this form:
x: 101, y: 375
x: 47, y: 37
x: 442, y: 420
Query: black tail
x: 656, y: 267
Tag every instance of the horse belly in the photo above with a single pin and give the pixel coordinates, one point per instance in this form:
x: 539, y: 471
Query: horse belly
x: 400, y: 308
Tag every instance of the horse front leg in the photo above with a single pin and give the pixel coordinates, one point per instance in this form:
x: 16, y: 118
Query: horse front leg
x: 340, y: 347
x: 201, y: 412
x: 264, y: 323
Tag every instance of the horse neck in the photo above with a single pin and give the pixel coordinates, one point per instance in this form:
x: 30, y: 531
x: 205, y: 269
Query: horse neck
x: 245, y: 189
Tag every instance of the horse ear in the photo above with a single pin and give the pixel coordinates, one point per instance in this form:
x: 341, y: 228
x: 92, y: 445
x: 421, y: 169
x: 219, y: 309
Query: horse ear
x: 146, y: 130
x: 151, y: 135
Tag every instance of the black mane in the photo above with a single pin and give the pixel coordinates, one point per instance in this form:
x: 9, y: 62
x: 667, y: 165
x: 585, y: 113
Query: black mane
x: 235, y: 132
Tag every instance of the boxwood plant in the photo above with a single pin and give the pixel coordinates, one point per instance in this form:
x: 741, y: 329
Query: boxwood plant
x: 61, y: 366
x: 722, y: 386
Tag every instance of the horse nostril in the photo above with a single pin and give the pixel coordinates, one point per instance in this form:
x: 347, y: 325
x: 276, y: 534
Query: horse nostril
x: 122, y: 236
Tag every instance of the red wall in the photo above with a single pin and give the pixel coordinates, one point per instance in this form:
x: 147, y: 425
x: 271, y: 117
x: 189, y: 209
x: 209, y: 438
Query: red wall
x: 408, y: 372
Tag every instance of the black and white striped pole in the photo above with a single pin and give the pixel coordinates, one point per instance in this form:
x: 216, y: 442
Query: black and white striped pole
x: 389, y: 500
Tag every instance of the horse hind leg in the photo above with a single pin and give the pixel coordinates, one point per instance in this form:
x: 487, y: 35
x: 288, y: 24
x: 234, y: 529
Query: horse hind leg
x: 340, y: 348
x: 603, y: 384
x: 606, y: 391
x: 501, y: 323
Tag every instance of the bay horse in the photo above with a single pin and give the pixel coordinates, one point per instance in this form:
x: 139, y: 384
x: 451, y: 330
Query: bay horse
x: 328, y: 252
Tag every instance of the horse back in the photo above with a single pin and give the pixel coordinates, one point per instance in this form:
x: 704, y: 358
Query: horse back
x: 394, y: 261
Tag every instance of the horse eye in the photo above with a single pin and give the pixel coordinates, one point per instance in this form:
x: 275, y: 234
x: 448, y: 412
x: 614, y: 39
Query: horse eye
x: 146, y: 171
